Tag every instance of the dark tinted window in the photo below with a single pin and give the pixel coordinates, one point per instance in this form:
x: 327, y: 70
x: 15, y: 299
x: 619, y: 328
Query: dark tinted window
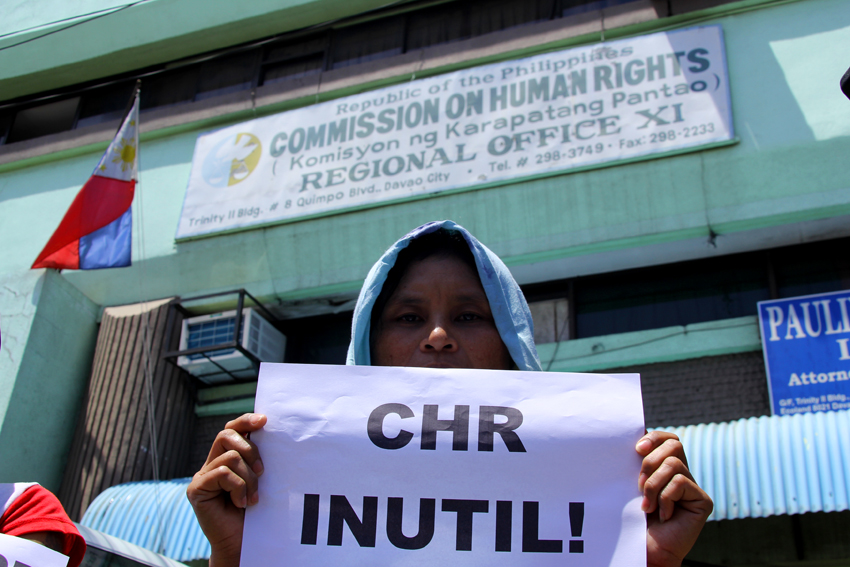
x: 812, y: 268
x: 293, y: 49
x: 6, y: 118
x: 679, y: 294
x: 172, y: 87
x: 105, y: 104
x: 290, y: 60
x: 317, y: 340
x: 441, y: 24
x: 369, y: 41
x: 573, y: 7
x: 292, y: 69
x: 497, y: 15
x: 699, y: 290
x: 44, y: 119
x: 226, y: 74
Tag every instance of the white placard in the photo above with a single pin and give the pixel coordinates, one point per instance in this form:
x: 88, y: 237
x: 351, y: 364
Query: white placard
x: 417, y: 466
x: 540, y: 115
x: 21, y: 552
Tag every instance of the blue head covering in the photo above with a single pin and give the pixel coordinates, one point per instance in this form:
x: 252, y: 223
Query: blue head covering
x: 510, y: 311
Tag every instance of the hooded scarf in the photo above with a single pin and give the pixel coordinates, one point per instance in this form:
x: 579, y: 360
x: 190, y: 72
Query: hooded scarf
x: 507, y: 303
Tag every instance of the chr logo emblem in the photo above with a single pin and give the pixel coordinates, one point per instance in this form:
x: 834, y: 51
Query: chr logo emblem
x: 232, y: 160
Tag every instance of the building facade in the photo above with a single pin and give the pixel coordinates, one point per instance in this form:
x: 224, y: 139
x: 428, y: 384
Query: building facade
x: 651, y: 261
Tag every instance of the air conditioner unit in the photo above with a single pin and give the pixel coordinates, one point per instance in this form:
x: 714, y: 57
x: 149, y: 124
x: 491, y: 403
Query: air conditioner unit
x: 257, y: 336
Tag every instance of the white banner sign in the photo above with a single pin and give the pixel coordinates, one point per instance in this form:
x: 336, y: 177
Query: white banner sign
x: 20, y: 552
x: 544, y: 114
x: 417, y: 466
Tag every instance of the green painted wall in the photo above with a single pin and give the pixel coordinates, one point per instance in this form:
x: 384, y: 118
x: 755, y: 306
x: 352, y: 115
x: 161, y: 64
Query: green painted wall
x: 49, y: 330
x: 108, y: 39
x: 17, y: 310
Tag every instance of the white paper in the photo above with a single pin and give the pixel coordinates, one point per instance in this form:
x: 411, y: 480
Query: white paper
x: 25, y: 553
x: 578, y: 432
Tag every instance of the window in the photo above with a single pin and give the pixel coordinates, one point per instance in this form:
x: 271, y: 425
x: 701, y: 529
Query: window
x: 226, y: 75
x: 686, y: 292
x: 573, y: 7
x: 497, y: 15
x: 292, y: 69
x: 44, y: 119
x: 666, y: 296
x: 169, y: 88
x: 812, y: 268
x: 317, y: 340
x: 434, y: 26
x: 551, y: 320
x: 6, y: 118
x: 105, y: 104
x: 366, y: 42
x: 283, y: 61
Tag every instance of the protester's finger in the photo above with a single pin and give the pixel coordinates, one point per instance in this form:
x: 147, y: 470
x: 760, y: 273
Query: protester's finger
x: 230, y: 440
x: 233, y: 460
x: 228, y: 473
x: 670, y: 469
x: 233, y: 439
x: 685, y: 493
x: 209, y: 485
x: 246, y: 423
x: 656, y: 447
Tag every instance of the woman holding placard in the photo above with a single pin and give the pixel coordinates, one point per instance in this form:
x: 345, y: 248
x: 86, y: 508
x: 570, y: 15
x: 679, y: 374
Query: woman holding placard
x: 439, y: 298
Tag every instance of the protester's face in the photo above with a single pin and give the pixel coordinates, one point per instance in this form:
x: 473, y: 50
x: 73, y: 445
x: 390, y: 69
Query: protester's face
x: 439, y: 317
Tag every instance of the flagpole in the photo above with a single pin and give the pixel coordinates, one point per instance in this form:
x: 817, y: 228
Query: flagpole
x: 147, y: 331
x: 136, y: 91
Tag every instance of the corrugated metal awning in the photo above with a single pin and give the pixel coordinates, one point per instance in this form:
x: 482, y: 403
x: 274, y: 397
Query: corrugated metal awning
x: 752, y: 468
x: 766, y: 466
x: 153, y: 515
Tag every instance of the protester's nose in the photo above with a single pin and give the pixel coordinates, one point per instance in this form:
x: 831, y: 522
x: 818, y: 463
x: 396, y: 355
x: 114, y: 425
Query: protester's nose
x: 438, y: 340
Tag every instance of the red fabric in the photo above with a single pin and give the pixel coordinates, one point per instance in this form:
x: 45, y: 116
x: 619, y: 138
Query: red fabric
x: 99, y: 202
x: 38, y: 510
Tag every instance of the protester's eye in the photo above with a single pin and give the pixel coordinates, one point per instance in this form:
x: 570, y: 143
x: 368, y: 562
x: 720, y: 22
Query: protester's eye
x: 466, y: 317
x: 410, y: 318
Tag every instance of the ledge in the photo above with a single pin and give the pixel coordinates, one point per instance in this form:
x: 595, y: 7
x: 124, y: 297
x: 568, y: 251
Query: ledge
x: 226, y: 399
x: 245, y: 405
x: 713, y: 338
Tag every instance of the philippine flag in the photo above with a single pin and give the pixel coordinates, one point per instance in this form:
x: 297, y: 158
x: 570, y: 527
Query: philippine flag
x: 96, y: 231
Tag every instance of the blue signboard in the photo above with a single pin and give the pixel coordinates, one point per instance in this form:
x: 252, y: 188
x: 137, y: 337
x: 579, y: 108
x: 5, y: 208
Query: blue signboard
x: 806, y: 352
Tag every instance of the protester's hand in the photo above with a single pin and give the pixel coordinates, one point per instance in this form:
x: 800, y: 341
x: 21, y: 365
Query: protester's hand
x: 676, y: 506
x: 225, y: 486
